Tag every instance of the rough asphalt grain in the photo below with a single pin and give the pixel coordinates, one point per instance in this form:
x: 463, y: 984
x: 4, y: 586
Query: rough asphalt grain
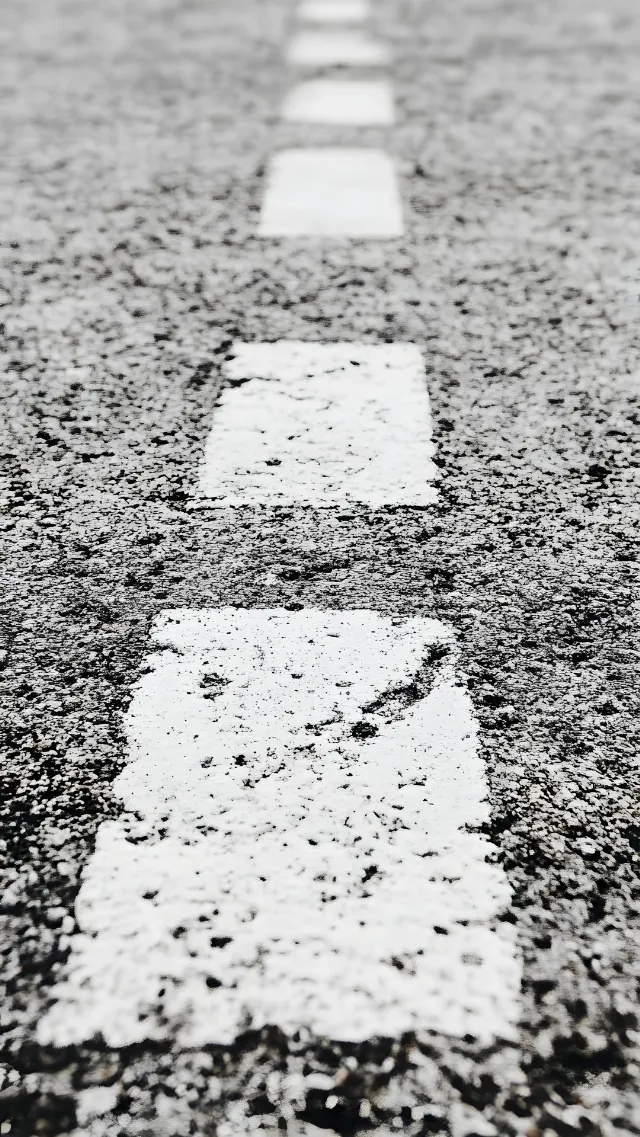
x: 134, y: 143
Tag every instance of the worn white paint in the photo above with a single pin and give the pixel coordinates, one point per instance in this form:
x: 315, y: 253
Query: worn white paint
x: 331, y: 192
x: 270, y: 866
x: 320, y: 424
x: 334, y: 11
x: 344, y: 47
x: 342, y: 102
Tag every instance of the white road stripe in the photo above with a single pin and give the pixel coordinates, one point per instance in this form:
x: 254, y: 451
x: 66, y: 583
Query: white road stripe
x: 331, y: 192
x: 295, y: 844
x: 334, y: 11
x: 322, y: 424
x: 333, y: 48
x: 349, y: 102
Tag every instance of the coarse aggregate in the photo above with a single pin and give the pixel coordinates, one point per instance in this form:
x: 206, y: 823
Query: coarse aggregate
x: 135, y: 139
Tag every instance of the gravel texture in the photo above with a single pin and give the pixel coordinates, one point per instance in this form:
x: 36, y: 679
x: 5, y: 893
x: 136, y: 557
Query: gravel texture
x: 135, y: 138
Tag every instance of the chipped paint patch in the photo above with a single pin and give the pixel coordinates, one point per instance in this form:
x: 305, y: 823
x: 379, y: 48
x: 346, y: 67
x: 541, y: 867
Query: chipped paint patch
x: 346, y: 102
x: 334, y: 11
x: 321, y: 424
x: 331, y: 192
x: 347, y: 47
x: 295, y: 847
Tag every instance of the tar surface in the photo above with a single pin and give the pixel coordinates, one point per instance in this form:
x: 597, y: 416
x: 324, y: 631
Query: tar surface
x: 134, y: 143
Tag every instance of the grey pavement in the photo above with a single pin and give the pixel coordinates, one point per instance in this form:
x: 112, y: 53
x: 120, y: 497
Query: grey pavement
x: 135, y: 137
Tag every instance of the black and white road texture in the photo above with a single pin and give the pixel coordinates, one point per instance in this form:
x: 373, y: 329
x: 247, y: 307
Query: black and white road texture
x: 137, y: 140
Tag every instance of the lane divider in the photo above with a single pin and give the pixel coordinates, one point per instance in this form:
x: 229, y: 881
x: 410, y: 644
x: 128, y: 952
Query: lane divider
x: 331, y: 48
x: 321, y: 424
x: 296, y: 844
x: 331, y: 192
x: 340, y: 102
x: 337, y: 192
x: 300, y: 841
x: 334, y: 11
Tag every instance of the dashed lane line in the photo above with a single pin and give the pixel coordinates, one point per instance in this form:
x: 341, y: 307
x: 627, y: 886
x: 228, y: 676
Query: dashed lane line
x: 329, y: 48
x: 300, y: 842
x: 331, y: 192
x: 340, y: 102
x: 334, y: 11
x: 298, y: 846
x: 321, y: 424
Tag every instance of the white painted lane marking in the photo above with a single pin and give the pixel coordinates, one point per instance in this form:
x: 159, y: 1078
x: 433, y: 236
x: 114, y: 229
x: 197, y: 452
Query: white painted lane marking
x: 331, y: 192
x: 322, y: 424
x: 294, y: 847
x: 334, y: 11
x: 349, y: 102
x: 328, y: 49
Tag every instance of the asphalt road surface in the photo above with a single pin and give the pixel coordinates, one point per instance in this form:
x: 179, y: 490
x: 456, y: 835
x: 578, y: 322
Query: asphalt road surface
x: 320, y: 392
